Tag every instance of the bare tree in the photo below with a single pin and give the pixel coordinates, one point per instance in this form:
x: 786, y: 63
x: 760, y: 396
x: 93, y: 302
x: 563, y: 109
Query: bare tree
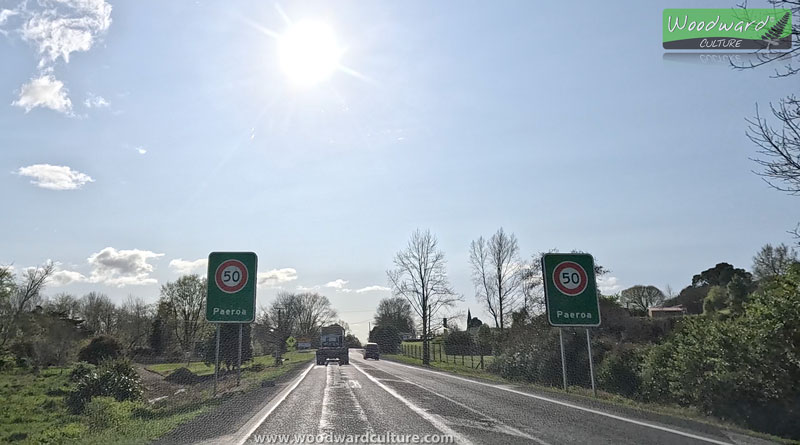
x: 99, y: 313
x: 773, y: 261
x: 779, y: 143
x: 134, y: 322
x: 186, y: 300
x: 420, y: 276
x: 642, y: 298
x: 22, y: 298
x: 497, y: 274
x: 313, y: 311
x: 65, y: 305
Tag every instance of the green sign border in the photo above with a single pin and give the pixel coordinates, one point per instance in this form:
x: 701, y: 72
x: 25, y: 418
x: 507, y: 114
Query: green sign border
x: 243, y: 299
x: 586, y: 301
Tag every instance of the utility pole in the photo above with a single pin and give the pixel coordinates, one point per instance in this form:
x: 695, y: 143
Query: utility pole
x: 278, y: 339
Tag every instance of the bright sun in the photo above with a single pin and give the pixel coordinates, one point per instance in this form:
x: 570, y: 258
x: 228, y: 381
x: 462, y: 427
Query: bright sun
x: 308, y: 52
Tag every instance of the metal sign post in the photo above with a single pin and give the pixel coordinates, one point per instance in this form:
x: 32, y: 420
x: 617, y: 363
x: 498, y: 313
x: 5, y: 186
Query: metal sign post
x: 216, y: 363
x: 239, y: 363
x: 591, y: 365
x: 231, y: 296
x: 563, y: 360
x: 570, y: 291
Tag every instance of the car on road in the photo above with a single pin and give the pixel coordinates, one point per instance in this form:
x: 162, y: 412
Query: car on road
x: 372, y: 350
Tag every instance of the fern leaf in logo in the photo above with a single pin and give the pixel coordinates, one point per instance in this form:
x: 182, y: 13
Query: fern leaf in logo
x: 775, y: 32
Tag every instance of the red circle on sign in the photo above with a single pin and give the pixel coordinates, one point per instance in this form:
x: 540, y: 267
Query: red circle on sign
x: 581, y: 275
x: 238, y: 285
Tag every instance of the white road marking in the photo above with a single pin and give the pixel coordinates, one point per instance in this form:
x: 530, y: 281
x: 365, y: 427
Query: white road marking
x: 501, y: 427
x: 250, y: 427
x: 438, y: 424
x: 569, y: 405
x: 326, y: 400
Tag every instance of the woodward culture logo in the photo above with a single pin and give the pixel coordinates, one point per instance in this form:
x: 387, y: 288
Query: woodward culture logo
x: 727, y: 29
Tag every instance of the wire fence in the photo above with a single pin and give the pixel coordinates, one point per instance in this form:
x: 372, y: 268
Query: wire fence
x: 437, y: 353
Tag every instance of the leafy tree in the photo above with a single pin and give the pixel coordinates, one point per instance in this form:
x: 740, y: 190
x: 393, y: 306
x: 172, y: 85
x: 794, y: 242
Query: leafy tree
x: 720, y: 275
x: 352, y: 341
x: 459, y: 343
x: 397, y: 312
x: 716, y: 300
x: 641, y: 298
x: 771, y: 261
x: 387, y: 338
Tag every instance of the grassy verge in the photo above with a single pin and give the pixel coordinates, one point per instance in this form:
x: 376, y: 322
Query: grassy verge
x: 200, y: 368
x: 33, y: 409
x: 686, y: 413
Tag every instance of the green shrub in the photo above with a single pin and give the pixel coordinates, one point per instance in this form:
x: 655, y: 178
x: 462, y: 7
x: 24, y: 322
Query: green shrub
x: 742, y: 368
x: 115, y: 379
x: 80, y: 370
x: 459, y: 343
x: 100, y: 348
x: 69, y: 433
x: 620, y: 371
x: 23, y: 352
x: 105, y: 412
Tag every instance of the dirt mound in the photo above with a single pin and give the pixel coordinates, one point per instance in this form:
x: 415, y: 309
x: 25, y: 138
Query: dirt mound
x: 182, y: 376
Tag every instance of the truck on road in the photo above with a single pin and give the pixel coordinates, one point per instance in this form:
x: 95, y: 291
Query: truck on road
x: 332, y: 345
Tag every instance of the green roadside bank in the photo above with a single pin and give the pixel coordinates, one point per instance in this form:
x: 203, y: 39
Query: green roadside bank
x: 34, y: 410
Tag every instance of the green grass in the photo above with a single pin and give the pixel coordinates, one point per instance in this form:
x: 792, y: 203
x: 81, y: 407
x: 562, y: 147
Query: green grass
x: 33, y: 410
x: 200, y: 368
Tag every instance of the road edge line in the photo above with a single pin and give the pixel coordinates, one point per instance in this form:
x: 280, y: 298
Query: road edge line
x: 250, y: 427
x: 438, y: 424
x: 569, y: 405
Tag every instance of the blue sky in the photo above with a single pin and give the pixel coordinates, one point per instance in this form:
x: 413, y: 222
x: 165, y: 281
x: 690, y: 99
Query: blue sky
x: 182, y: 135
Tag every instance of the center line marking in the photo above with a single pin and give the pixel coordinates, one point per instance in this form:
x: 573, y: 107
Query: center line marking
x: 438, y: 424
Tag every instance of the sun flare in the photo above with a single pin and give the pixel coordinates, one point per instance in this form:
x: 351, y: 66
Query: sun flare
x: 308, y: 53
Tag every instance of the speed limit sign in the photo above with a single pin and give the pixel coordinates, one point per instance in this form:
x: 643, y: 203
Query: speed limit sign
x: 231, y: 276
x: 231, y: 287
x: 570, y: 289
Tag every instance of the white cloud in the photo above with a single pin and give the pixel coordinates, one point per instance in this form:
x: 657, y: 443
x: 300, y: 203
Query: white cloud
x: 141, y: 150
x: 307, y: 289
x: 185, y: 267
x: 122, y: 267
x: 372, y: 289
x: 61, y: 27
x: 275, y: 277
x: 608, y: 285
x: 65, y: 277
x: 4, y: 16
x: 55, y: 177
x: 336, y: 284
x: 57, y: 28
x: 93, y: 101
x: 44, y: 91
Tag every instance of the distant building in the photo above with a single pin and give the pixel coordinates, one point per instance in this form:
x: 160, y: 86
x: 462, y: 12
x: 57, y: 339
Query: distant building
x: 303, y: 343
x: 406, y: 336
x: 664, y: 312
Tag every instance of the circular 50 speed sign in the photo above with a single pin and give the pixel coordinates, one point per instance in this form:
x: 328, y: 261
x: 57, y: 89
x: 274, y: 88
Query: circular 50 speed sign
x: 570, y: 278
x: 231, y: 276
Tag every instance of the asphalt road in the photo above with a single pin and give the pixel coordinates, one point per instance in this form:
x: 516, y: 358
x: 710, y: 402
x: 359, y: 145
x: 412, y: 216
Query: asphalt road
x: 375, y: 399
